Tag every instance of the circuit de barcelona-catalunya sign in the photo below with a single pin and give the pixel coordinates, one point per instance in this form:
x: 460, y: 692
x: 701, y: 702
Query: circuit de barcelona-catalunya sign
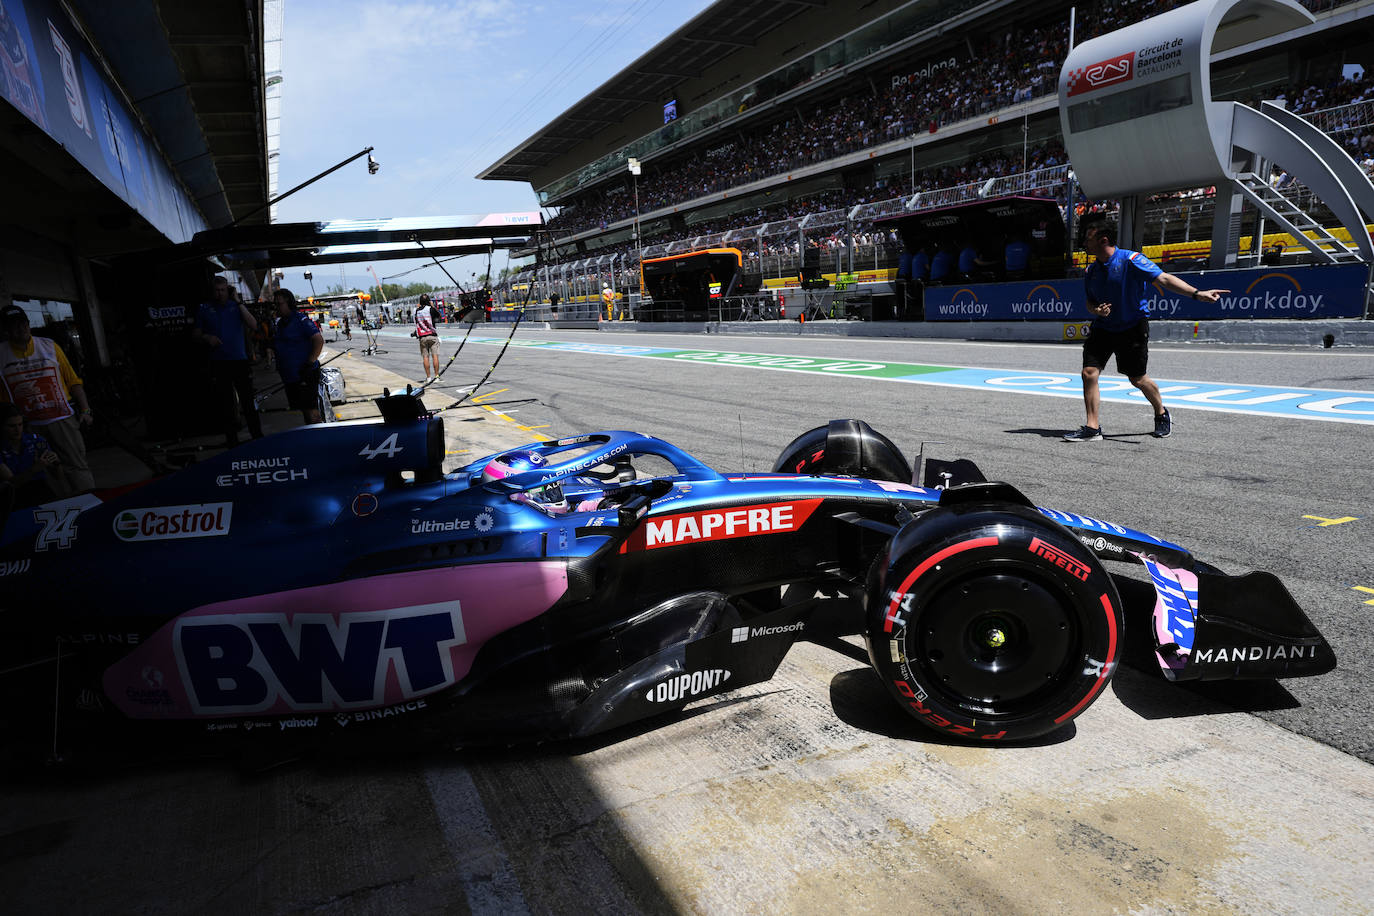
x: 1335, y: 291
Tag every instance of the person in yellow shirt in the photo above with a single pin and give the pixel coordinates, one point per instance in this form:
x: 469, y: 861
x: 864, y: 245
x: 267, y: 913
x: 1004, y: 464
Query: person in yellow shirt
x: 36, y: 377
x: 608, y: 300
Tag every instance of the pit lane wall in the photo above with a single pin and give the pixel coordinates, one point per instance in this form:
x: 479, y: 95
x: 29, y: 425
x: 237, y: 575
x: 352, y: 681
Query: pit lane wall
x: 1329, y: 291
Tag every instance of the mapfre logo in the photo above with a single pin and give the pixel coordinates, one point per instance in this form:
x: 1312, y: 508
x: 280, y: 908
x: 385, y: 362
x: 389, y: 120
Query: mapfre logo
x: 1104, y: 73
x: 721, y: 524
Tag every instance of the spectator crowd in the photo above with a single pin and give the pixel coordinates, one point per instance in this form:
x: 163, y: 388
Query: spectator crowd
x: 1001, y: 70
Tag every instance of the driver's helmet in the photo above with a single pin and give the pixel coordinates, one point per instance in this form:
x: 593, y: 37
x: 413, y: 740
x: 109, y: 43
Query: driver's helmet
x: 512, y: 463
x: 549, y: 498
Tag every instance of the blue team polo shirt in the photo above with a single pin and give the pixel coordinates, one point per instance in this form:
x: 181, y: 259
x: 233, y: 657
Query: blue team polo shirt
x: 293, y: 345
x: 224, y: 322
x: 1017, y: 255
x: 940, y: 264
x: 967, y: 255
x: 29, y: 448
x: 920, y: 266
x: 1121, y: 281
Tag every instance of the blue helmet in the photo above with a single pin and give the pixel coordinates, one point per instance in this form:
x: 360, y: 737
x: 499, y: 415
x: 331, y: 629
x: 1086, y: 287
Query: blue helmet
x: 512, y: 463
x: 549, y: 498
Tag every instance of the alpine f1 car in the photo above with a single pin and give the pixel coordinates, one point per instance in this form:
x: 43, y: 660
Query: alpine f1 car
x: 334, y: 579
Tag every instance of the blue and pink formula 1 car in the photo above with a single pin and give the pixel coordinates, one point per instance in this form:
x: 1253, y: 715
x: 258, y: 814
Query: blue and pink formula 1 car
x: 334, y: 581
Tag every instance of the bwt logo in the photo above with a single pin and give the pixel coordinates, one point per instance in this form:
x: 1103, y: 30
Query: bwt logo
x: 1074, y: 567
x: 246, y: 663
x: 1104, y: 73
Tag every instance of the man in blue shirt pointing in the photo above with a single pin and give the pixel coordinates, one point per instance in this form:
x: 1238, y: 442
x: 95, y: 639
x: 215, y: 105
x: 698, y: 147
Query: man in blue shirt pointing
x: 1115, y: 283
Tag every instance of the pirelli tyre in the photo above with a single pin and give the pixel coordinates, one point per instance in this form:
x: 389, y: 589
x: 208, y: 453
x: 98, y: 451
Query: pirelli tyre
x: 991, y: 622
x: 844, y: 447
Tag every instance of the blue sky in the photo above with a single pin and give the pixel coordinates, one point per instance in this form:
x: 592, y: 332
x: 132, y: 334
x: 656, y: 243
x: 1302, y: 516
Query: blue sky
x: 441, y: 89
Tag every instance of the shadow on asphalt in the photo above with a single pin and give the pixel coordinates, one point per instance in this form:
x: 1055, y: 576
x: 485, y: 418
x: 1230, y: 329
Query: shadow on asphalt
x: 1059, y: 434
x: 1149, y: 695
x: 860, y: 701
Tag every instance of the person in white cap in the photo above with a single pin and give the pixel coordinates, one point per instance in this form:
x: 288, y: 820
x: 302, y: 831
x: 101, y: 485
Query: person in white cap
x: 608, y: 300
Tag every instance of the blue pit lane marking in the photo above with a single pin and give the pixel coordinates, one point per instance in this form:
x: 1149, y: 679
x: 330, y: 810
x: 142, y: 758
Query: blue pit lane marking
x: 1263, y: 400
x: 1329, y: 404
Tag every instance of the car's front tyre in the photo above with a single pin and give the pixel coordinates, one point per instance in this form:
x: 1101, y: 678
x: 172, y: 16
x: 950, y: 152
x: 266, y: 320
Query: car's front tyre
x: 991, y: 622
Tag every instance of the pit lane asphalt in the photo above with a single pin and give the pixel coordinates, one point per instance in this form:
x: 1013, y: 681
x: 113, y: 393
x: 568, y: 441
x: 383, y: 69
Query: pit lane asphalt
x: 812, y: 792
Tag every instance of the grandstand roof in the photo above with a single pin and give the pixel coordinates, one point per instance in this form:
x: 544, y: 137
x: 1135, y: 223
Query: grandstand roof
x: 720, y: 30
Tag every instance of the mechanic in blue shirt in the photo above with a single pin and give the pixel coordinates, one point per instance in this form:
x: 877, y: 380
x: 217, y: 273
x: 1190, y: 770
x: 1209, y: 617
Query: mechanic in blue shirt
x: 221, y: 325
x: 26, y: 461
x: 942, y: 265
x: 1115, y: 283
x: 298, y: 342
x: 1016, y: 257
x: 968, y: 255
x: 920, y: 264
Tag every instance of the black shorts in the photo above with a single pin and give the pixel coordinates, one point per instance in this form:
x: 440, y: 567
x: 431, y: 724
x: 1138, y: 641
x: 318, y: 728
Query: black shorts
x: 1131, y: 346
x: 305, y: 393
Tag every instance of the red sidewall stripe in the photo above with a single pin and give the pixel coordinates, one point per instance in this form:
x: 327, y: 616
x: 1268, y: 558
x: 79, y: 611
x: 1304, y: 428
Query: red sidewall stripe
x: 931, y: 561
x: 1106, y: 668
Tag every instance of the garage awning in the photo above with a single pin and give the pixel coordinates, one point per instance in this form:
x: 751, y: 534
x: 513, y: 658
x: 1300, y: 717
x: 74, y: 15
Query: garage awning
x: 344, y: 241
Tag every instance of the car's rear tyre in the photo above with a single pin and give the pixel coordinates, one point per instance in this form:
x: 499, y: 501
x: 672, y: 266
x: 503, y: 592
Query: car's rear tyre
x: 992, y: 622
x: 844, y: 447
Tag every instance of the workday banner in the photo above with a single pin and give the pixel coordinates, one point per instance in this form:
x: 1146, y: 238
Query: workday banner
x: 1331, y: 291
x: 1026, y: 300
x: 1335, y: 291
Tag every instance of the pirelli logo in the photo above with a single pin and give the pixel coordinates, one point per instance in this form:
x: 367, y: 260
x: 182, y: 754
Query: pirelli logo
x: 1075, y: 567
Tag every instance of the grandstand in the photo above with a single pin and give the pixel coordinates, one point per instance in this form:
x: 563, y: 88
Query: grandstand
x: 799, y: 126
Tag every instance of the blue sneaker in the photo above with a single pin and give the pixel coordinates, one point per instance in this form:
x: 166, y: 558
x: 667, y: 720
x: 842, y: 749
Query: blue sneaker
x: 1164, y: 425
x: 1085, y: 434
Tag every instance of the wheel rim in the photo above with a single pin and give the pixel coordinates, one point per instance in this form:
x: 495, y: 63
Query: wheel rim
x: 997, y: 643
